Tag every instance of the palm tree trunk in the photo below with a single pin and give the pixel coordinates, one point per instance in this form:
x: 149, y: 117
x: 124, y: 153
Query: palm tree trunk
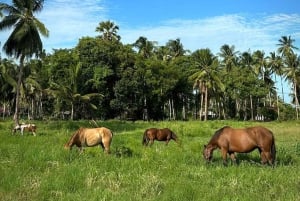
x: 72, y: 111
x: 282, y: 88
x: 296, y: 100
x: 20, y: 75
x: 173, y: 110
x: 183, y: 109
x: 201, y: 105
x: 277, y: 103
x: 251, y: 108
x: 206, y: 103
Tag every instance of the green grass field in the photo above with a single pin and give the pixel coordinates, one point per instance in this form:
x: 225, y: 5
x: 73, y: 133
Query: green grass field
x: 39, y: 168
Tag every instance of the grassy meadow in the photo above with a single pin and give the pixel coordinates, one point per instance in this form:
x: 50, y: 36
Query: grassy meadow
x: 39, y: 168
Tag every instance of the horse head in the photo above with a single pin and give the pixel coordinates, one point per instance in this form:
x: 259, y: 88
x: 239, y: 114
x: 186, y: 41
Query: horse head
x: 208, y: 152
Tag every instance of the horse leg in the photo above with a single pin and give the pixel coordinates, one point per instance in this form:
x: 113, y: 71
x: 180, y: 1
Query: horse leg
x: 80, y: 150
x: 266, y: 157
x: 233, y: 158
x: 167, y: 141
x: 224, y: 156
x: 151, y: 142
x: 105, y: 147
x: 263, y: 157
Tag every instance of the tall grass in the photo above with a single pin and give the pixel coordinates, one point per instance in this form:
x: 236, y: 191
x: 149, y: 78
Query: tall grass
x: 38, y: 168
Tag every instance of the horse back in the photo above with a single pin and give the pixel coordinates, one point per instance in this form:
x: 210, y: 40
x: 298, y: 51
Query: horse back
x: 165, y: 134
x: 261, y: 134
x: 95, y: 136
x: 245, y: 139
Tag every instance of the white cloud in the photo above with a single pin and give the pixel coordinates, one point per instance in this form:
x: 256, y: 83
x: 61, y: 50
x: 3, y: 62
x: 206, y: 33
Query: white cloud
x: 69, y: 20
x: 245, y: 32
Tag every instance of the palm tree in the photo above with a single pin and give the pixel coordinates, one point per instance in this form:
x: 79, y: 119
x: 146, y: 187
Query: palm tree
x: 246, y: 62
x: 175, y: 48
x: 144, y: 46
x: 24, y: 41
x: 8, y: 83
x: 276, y: 66
x: 293, y: 74
x: 109, y: 31
x: 286, y: 46
x: 207, y: 76
x: 229, y: 56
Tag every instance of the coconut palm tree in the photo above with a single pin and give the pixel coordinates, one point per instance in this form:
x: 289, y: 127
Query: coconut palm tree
x: 109, y: 30
x: 24, y: 41
x: 144, y: 46
x: 207, y: 76
x: 286, y: 45
x: 275, y: 65
x: 229, y: 57
x: 175, y: 48
x: 292, y: 73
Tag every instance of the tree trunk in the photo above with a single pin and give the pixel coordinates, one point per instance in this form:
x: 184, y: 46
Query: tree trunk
x: 296, y: 99
x: 206, y: 104
x: 72, y: 111
x: 183, y: 109
x: 170, y: 110
x: 201, y: 104
x: 20, y: 75
x: 282, y: 88
x: 251, y: 108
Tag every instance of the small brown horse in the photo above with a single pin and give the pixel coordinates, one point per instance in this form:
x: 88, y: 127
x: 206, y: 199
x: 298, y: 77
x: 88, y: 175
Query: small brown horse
x: 245, y: 140
x: 164, y: 134
x: 89, y: 137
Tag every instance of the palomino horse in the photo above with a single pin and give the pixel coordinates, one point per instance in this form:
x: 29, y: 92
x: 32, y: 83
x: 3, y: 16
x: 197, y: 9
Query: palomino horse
x: 245, y: 140
x: 89, y: 137
x: 164, y: 134
x: 25, y: 127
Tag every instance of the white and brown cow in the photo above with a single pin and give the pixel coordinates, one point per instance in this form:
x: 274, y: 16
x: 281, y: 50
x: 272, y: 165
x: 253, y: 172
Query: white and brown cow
x: 25, y: 127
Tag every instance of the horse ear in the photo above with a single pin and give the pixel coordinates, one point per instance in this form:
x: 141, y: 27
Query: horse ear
x: 205, y: 146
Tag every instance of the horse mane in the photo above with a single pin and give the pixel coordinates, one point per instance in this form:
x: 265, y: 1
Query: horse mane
x: 217, y: 134
x: 74, y: 137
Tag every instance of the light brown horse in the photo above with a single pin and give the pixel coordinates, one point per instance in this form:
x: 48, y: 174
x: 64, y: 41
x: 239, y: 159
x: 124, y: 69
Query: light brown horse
x: 245, y: 140
x: 164, y: 134
x: 89, y: 137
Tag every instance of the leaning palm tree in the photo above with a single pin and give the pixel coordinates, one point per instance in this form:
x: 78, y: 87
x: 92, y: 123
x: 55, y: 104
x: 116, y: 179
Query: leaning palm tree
x: 24, y: 41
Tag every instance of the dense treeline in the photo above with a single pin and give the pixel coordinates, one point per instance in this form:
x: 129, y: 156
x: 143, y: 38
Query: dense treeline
x: 102, y: 78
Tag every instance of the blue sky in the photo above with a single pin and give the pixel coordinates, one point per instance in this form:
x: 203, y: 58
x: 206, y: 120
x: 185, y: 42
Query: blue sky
x: 246, y: 24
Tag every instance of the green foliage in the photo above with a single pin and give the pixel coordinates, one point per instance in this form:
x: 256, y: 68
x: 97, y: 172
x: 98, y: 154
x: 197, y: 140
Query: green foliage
x: 102, y: 78
x: 38, y: 168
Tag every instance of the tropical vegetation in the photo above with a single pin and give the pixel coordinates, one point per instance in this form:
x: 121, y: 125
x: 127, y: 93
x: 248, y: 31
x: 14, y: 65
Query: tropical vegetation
x: 102, y: 78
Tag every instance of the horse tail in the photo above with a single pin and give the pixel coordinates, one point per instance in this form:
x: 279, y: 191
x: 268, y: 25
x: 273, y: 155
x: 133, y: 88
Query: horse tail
x: 145, y: 139
x: 273, y: 151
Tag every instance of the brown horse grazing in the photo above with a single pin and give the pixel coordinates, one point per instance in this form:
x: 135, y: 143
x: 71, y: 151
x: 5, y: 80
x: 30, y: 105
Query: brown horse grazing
x: 89, y: 137
x: 231, y: 140
x: 164, y: 134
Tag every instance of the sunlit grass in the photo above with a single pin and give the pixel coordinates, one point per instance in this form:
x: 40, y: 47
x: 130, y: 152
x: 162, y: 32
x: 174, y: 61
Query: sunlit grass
x: 38, y: 168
